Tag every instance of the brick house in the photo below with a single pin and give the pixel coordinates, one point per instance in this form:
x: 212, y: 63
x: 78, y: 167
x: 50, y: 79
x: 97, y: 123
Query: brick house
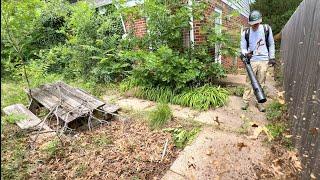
x: 220, y: 7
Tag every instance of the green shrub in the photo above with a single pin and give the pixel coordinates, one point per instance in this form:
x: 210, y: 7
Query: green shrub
x: 160, y: 116
x: 168, y: 68
x: 164, y: 67
x: 182, y: 137
x: 275, y: 110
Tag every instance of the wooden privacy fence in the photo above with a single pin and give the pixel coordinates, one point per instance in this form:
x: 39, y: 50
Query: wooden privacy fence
x: 300, y: 51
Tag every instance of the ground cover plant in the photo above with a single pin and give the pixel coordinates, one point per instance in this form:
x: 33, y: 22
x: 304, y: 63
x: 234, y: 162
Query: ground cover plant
x: 201, y: 98
x: 275, y: 110
x: 182, y: 137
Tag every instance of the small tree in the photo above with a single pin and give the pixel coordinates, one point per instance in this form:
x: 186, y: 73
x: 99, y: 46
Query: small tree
x: 18, y: 21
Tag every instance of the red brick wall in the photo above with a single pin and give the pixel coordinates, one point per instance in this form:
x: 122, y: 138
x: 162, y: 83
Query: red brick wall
x: 139, y: 28
x: 233, y: 24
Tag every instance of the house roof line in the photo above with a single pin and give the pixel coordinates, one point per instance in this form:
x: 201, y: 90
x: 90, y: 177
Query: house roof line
x: 241, y: 6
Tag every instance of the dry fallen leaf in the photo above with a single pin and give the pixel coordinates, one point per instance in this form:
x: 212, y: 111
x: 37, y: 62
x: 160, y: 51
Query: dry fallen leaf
x: 281, y: 98
x: 209, y: 152
x: 312, y: 176
x: 241, y: 145
x: 258, y: 131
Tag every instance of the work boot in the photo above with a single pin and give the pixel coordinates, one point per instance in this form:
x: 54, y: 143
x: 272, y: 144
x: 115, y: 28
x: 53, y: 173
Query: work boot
x: 245, y: 105
x: 261, y: 107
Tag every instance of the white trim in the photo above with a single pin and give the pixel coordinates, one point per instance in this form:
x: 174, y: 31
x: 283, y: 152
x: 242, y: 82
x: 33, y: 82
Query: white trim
x: 122, y: 21
x: 99, y: 3
x: 245, y: 11
x: 134, y: 3
x: 217, y: 46
x: 191, y: 25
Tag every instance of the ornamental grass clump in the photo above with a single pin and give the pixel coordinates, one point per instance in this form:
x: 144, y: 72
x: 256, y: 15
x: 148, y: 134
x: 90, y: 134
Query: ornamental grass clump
x: 160, y: 116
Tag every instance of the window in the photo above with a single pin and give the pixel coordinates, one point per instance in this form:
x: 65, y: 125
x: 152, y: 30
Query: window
x: 218, y: 29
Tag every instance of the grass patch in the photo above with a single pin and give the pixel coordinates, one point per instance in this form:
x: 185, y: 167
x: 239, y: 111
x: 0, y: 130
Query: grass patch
x: 245, y: 126
x: 274, y: 111
x: 102, y: 140
x: 201, y: 98
x: 160, y: 116
x: 276, y: 129
x: 13, y: 118
x: 13, y: 93
x: 182, y: 137
x: 51, y: 148
x: 237, y: 91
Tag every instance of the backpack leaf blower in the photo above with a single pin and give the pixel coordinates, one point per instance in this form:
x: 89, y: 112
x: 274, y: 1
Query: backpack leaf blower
x: 258, y: 91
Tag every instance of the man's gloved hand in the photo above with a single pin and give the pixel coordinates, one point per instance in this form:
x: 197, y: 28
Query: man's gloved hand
x: 248, y: 55
x: 272, y: 62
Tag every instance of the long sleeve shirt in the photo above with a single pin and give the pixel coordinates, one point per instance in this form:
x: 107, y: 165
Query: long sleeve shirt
x: 257, y: 44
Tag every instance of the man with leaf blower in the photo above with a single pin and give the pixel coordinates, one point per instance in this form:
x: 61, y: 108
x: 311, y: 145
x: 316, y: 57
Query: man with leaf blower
x: 258, y: 50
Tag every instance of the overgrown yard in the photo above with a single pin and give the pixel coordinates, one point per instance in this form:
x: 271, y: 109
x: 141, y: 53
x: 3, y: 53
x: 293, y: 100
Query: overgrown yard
x: 128, y: 148
x: 88, y: 48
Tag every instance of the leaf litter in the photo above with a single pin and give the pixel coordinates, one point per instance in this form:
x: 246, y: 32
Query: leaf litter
x: 120, y: 151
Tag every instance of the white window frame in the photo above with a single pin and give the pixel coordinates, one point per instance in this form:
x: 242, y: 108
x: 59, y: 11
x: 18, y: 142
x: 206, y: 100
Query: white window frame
x: 217, y: 55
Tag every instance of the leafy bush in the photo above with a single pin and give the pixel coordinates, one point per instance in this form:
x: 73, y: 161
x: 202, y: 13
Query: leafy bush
x: 182, y: 137
x: 275, y: 110
x: 164, y: 67
x: 160, y: 116
x: 167, y: 68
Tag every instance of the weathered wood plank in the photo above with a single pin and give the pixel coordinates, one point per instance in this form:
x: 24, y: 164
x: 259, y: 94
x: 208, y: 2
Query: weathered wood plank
x: 109, y: 108
x: 80, y: 95
x: 29, y: 119
x: 50, y: 102
x: 300, y: 53
x: 68, y: 99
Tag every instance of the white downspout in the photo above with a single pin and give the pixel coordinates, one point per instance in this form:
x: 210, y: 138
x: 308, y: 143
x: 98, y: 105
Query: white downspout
x: 122, y: 22
x: 191, y: 25
x: 124, y: 26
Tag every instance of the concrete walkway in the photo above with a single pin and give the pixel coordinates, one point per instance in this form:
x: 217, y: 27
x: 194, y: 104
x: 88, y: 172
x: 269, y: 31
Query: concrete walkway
x: 218, y: 155
x: 219, y: 151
